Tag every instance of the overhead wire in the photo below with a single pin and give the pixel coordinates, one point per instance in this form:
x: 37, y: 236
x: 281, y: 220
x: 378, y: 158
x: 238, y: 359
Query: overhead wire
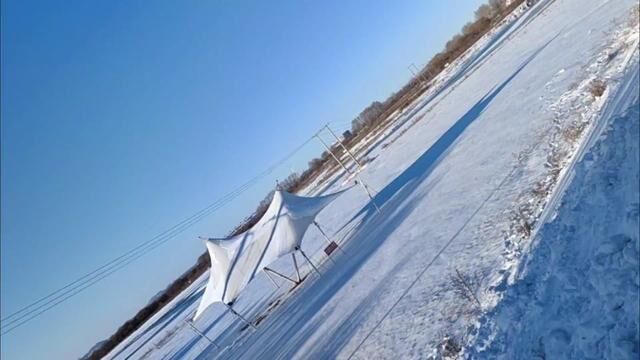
x: 40, y: 306
x: 102, y: 272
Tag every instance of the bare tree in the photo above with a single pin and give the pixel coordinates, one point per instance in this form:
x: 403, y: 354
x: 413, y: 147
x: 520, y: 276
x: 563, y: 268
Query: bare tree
x: 484, y: 12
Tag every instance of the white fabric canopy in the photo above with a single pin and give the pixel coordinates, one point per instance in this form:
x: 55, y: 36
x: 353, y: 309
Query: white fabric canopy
x: 236, y: 261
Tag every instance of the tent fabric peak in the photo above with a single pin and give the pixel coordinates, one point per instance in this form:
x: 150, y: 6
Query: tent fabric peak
x: 235, y: 261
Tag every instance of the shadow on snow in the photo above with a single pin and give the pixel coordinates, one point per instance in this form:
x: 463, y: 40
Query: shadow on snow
x: 284, y: 332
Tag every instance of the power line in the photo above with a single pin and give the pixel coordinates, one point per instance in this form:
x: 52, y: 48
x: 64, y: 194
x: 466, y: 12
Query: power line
x: 119, y: 258
x: 111, y: 267
x: 38, y: 307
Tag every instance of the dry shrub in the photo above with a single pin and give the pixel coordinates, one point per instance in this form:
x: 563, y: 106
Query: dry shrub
x: 541, y: 189
x: 597, y: 87
x: 466, y: 285
x: 556, y: 158
x: 573, y: 132
x: 450, y: 348
x: 634, y: 18
x: 521, y: 224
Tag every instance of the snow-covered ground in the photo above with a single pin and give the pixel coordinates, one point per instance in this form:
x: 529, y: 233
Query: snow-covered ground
x: 463, y: 178
x: 576, y: 294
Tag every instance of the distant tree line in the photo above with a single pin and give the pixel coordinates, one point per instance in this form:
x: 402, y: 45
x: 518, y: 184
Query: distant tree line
x: 486, y: 16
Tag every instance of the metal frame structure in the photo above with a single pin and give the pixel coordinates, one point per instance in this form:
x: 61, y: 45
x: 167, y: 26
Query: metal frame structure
x: 356, y: 174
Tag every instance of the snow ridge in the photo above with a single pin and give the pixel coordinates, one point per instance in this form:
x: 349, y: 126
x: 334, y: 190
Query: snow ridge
x: 577, y: 293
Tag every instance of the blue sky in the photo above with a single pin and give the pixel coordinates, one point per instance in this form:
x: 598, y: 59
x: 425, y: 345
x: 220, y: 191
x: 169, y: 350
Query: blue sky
x: 120, y: 118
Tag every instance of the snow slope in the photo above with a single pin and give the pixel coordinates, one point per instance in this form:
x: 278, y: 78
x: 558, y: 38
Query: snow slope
x: 577, y: 295
x: 450, y: 173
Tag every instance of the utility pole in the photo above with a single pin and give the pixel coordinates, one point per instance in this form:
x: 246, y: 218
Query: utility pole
x: 416, y: 73
x: 331, y: 152
x: 366, y: 189
x: 360, y: 182
x: 344, y: 147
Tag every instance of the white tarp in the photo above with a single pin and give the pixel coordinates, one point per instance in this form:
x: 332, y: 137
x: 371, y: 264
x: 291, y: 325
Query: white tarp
x: 236, y: 261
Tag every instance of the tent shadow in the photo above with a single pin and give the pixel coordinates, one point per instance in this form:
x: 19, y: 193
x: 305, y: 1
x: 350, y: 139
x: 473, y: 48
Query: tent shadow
x: 469, y: 65
x: 222, y: 339
x: 297, y: 319
x: 329, y: 347
x: 194, y: 340
x: 294, y: 323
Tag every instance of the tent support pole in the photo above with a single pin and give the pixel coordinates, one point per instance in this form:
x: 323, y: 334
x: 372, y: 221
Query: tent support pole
x: 322, y: 232
x: 334, y: 156
x: 324, y: 235
x: 272, y: 280
x: 202, y: 335
x: 309, y: 261
x: 281, y: 275
x: 344, y: 148
x: 295, y: 264
x: 240, y: 316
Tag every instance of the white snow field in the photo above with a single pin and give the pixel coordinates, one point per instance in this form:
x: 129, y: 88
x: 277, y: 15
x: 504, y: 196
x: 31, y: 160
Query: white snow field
x: 576, y: 296
x: 463, y: 178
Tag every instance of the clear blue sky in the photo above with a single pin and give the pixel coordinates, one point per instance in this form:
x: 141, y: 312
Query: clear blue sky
x: 120, y: 118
